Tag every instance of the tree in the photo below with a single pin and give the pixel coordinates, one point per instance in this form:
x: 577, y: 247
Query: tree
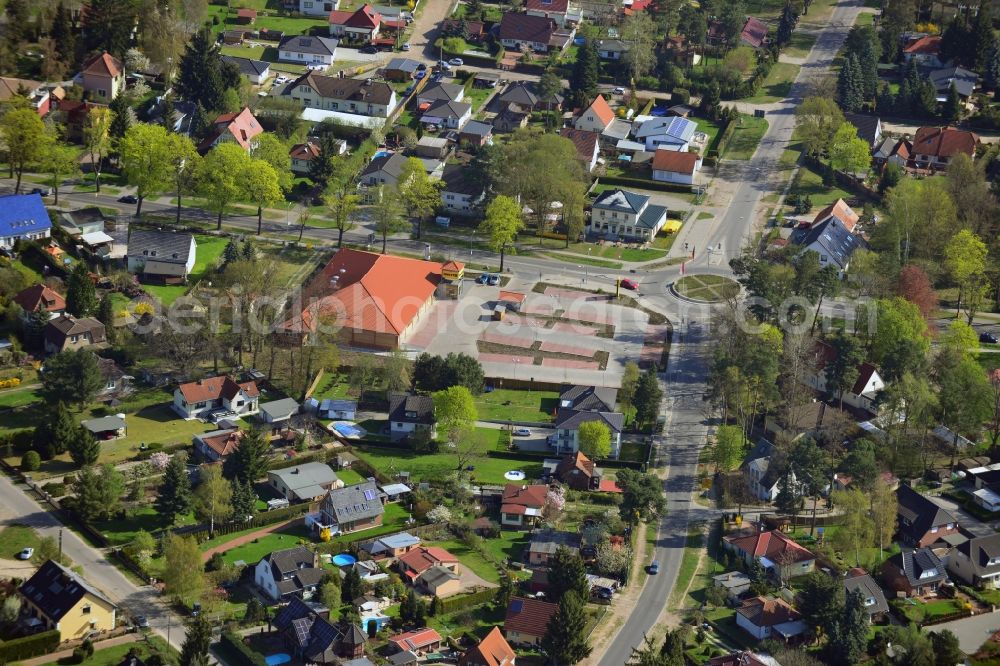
x: 861, y: 465
x: 502, y: 223
x: 850, y: 637
x: 220, y: 177
x: 821, y: 599
x: 328, y: 163
x: 848, y: 152
x: 817, y: 119
x: 842, y: 371
x: 455, y: 413
x: 73, y: 376
x: 97, y: 140
x: 595, y: 440
x: 811, y: 467
x: 196, y: 642
x: 914, y: 285
x: 850, y: 87
x: 21, y: 132
x: 184, y: 573
x: 910, y: 645
x: 145, y: 154
x: 122, y: 119
x: 730, y: 448
x: 98, y: 492
x: 789, y: 18
x: 202, y: 77
x: 174, y: 496
x: 108, y: 25
x: 567, y: 574
x: 388, y: 213
x: 900, y: 341
x: 353, y: 587
x: 945, y: 646
x: 586, y: 70
x: 54, y: 434
x: 629, y: 384
x: 640, y: 32
x: 243, y: 500
x: 856, y: 529
x: 271, y: 149
x: 213, y: 497
x: 184, y: 164
x: 81, y: 295
x: 83, y: 448
x: 964, y: 395
x: 60, y: 162
x: 952, y: 108
x: 419, y: 193
x: 648, y: 396
x: 642, y: 496
x: 341, y: 203
x: 565, y: 639
x: 260, y: 185
x: 961, y: 338
x: 965, y: 259
x: 249, y: 461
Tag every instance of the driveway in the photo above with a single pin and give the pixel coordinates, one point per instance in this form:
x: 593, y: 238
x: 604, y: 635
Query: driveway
x: 971, y: 632
x: 965, y: 519
x: 470, y: 579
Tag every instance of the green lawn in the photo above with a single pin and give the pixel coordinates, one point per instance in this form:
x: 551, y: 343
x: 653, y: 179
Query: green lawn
x: 290, y: 26
x: 424, y: 467
x: 919, y: 611
x: 120, y: 531
x: 470, y: 558
x: 811, y: 185
x: 706, y: 287
x: 113, y: 656
x: 746, y: 136
x: 511, y: 405
x: 252, y: 552
x: 777, y: 84
x: 800, y: 44
x: 209, y: 250
x: 349, y: 477
x: 19, y: 397
x: 693, y: 548
x: 708, y: 127
x: 15, y: 538
x: 510, y: 544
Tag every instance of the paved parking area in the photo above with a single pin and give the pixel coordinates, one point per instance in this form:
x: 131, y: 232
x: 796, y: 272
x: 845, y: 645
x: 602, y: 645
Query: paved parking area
x: 971, y: 632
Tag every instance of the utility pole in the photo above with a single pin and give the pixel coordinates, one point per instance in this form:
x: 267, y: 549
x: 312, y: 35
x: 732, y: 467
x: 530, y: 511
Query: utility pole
x: 60, y: 544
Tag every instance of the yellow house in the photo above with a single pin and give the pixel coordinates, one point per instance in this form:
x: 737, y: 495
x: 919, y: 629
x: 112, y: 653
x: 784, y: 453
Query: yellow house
x: 65, y: 602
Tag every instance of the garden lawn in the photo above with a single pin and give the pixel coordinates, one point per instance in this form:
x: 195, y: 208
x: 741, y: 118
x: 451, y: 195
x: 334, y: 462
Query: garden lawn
x: 511, y: 405
x: 252, y: 552
x: 470, y: 558
x: 114, y: 655
x: 424, y: 467
x: 710, y: 128
x: 811, y: 185
x: 19, y: 397
x: 349, y: 477
x: 922, y: 611
x: 120, y: 531
x: 15, y: 538
x: 745, y: 138
x: 209, y: 250
x: 509, y: 544
x: 777, y: 83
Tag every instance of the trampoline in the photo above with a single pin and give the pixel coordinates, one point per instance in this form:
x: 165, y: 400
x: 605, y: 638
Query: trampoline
x: 344, y: 560
x: 514, y: 475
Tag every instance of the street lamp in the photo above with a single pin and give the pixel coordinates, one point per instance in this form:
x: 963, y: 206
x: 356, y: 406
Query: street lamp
x: 516, y: 361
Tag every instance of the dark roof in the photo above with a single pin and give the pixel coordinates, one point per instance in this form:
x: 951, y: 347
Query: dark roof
x: 621, y: 201
x: 863, y: 582
x: 443, y: 108
x: 247, y: 66
x: 866, y: 125
x: 445, y: 91
x: 529, y: 616
x: 407, y: 408
x: 477, y: 128
x: 391, y: 164
x: 403, y: 65
x: 524, y: 93
x: 309, y: 44
x: 61, y: 327
x: 353, y: 503
x: 300, y: 580
x: 965, y: 80
x: 918, y: 513
x: 291, y: 559
x: 921, y: 566
x: 590, y: 398
x: 82, y: 216
x: 833, y: 240
x: 55, y: 590
x: 164, y: 246
x: 548, y: 541
x: 981, y: 551
x: 456, y: 180
x: 767, y: 611
x: 332, y: 87
x: 572, y: 418
x: 525, y: 28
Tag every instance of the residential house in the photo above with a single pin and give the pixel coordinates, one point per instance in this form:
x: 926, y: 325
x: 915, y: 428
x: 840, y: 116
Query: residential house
x: 308, y: 634
x: 527, y: 620
x: 246, y: 16
x: 116, y: 381
x: 567, y: 424
x: 361, y: 25
x: 102, y: 78
x: 440, y: 582
x: 511, y: 118
x: 432, y: 147
x: 754, y: 33
x: 521, y: 506
x: 525, y: 95
x: 913, y: 572
x: 234, y: 37
x: 66, y: 333
x: 277, y: 413
x: 493, y: 650
x: 524, y: 32
x: 925, y: 50
x: 587, y: 145
x: 23, y: 217
x: 287, y: 573
x: 893, y: 151
x: 556, y: 10
x: 340, y: 410
x: 578, y: 472
x: 447, y: 115
x: 965, y: 82
x: 440, y: 92
x: 217, y: 445
x: 760, y: 474
x: 780, y: 556
x: 37, y: 93
x: 409, y: 413
x: 832, y: 241
x: 308, y: 50
x: 735, y: 583
x: 840, y: 211
x: 352, y: 96
x: 401, y: 69
x: 38, y: 297
x: 612, y: 49
x: 418, y: 641
x: 106, y: 428
x: 160, y: 256
x: 433, y: 569
x: 240, y: 128
x: 475, y: 134
x: 317, y: 7
x: 82, y: 221
x: 664, y: 132
x: 922, y: 522
x: 619, y: 214
x: 862, y: 394
x: 596, y: 117
x: 977, y: 561
x: 393, y: 545
x: 860, y: 580
x: 545, y: 543
x: 470, y: 31
x: 302, y: 156
x: 198, y: 398
x: 304, y: 483
x: 934, y: 147
x: 65, y: 602
x: 255, y: 71
x: 770, y: 617
x: 588, y: 398
x: 459, y: 194
x: 673, y: 166
x: 351, y: 508
x: 869, y: 127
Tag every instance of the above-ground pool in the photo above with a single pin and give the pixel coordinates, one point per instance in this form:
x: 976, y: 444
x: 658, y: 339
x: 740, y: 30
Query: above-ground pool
x: 381, y: 153
x: 514, y: 475
x: 344, y: 560
x: 277, y: 659
x: 658, y: 111
x: 348, y: 430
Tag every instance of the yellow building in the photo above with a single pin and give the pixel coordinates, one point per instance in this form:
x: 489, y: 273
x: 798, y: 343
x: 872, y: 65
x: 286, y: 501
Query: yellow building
x: 65, y: 602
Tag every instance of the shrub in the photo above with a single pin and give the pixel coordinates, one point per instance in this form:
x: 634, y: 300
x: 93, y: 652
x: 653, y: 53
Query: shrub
x: 54, y: 489
x: 29, y: 646
x: 30, y: 461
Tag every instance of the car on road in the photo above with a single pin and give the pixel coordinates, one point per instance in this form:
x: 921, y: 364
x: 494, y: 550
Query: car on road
x: 483, y: 278
x: 141, y: 622
x: 43, y: 191
x: 630, y: 284
x: 370, y: 49
x: 457, y: 62
x: 443, y: 66
x: 129, y: 199
x: 420, y: 75
x: 618, y: 91
x: 494, y: 279
x: 988, y: 338
x: 26, y: 554
x: 654, y: 568
x: 406, y: 46
x: 422, y: 67
x: 521, y: 432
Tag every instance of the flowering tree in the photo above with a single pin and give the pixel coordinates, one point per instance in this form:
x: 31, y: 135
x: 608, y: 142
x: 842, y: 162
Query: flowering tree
x: 159, y: 461
x: 439, y: 514
x: 555, y: 502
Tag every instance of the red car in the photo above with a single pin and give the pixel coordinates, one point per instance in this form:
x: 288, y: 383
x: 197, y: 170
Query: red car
x: 630, y: 284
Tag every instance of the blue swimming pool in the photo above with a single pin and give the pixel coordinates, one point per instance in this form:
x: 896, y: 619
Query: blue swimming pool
x: 348, y: 430
x: 381, y: 153
x: 277, y: 659
x: 658, y: 111
x: 344, y: 560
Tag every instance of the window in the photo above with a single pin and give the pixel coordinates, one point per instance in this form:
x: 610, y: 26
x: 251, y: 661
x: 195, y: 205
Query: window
x: 934, y: 530
x: 101, y: 93
x: 85, y: 610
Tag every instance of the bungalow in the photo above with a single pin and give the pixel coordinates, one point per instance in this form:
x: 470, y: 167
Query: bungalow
x: 735, y: 583
x: 305, y: 482
x: 493, y: 650
x: 769, y: 617
x: 618, y: 214
x: 521, y: 506
x: 587, y: 145
x: 440, y: 582
x: 977, y: 561
x: 64, y: 602
x: 246, y: 16
x: 595, y: 117
x: 556, y: 10
x: 361, y: 25
x: 106, y: 427
x: 256, y: 71
x: 441, y: 92
x: 316, y: 7
x: 611, y: 49
x: 217, y: 445
x: 353, y: 96
x: 925, y: 50
x: 393, y: 545
x: 545, y: 543
x: 160, y: 256
x: 866, y: 388
x: 66, y: 333
x: 527, y: 620
x: 23, y: 217
x: 240, y: 128
x: 664, y: 132
x: 913, y: 572
x: 754, y: 33
x: 511, y: 118
x: 341, y: 410
x: 198, y: 398
x: 419, y: 641
x: 524, y: 32
x: 38, y: 297
x: 869, y: 127
x: 279, y: 412
x: 351, y: 508
x: 102, y: 78
x: 431, y: 568
x: 459, y: 194
x: 302, y: 156
x: 409, y: 413
x: 308, y: 50
x: 672, y: 166
x: 526, y: 96
x: 432, y: 147
x: 82, y: 221
x: 116, y: 381
x: 935, y: 147
x: 780, y: 556
x: 860, y: 580
x: 447, y: 115
x: 401, y: 69
x: 965, y: 82
x: 485, y: 80
x: 922, y: 522
x: 287, y: 573
x: 894, y: 151
x: 39, y: 96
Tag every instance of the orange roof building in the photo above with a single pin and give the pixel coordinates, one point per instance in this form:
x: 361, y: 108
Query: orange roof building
x: 842, y: 212
x: 936, y: 146
x: 36, y: 296
x: 239, y: 128
x: 102, y: 78
x: 372, y: 300
x: 493, y: 650
x: 223, y: 392
x: 596, y: 117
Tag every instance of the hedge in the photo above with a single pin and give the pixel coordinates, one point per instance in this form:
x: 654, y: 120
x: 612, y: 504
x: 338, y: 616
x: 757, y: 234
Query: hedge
x: 29, y: 646
x: 260, y: 520
x: 644, y: 184
x: 533, y: 455
x: 453, y: 604
x: 243, y: 656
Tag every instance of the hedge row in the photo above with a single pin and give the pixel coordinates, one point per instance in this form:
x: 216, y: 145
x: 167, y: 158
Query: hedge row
x: 644, y: 184
x: 29, y: 646
x: 536, y: 455
x: 260, y: 520
x: 453, y: 604
x: 237, y: 649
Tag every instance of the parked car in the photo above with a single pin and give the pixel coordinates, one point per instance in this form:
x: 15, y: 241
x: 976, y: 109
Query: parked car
x: 281, y: 78
x: 630, y: 284
x: 494, y: 279
x: 521, y: 432
x: 370, y: 49
x: 406, y: 46
x: 141, y: 622
x: 483, y: 278
x: 26, y: 554
x: 988, y: 338
x: 618, y: 91
x: 420, y: 75
x: 129, y: 199
x: 43, y: 191
x: 422, y: 67
x: 457, y: 62
x: 654, y: 568
x: 443, y: 66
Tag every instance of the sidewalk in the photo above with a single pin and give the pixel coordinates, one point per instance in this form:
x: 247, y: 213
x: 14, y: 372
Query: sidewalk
x: 53, y: 657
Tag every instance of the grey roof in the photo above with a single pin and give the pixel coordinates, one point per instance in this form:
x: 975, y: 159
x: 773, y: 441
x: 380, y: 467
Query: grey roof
x: 305, y: 476
x: 164, y: 246
x: 981, y: 551
x: 104, y: 423
x: 402, y: 658
x: 290, y: 559
x: 391, y: 164
x: 618, y: 129
x: 621, y: 201
x: 82, y: 217
x: 360, y: 661
x: 680, y: 129
x: 247, y: 66
x: 590, y: 398
x: 403, y: 65
x: 392, y: 489
x: 354, y: 90
x: 571, y: 419
x: 55, y: 590
x: 437, y: 575
x: 870, y: 590
x: 445, y: 91
x: 916, y: 563
x: 731, y: 579
x: 525, y: 94
x: 833, y: 240
x: 285, y: 407
x: 548, y: 541
x: 406, y: 408
x: 353, y: 503
x: 401, y: 540
x: 455, y: 179
x: 651, y: 216
x: 309, y: 44
x: 443, y: 108
x: 965, y: 80
x: 477, y: 128
x: 612, y: 45
x: 918, y: 513
x: 866, y: 125
x: 300, y: 580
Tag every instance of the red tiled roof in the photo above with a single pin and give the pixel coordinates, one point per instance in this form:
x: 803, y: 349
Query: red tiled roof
x: 340, y: 16
x: 575, y: 461
x: 528, y: 616
x: 416, y: 639
x: 243, y: 126
x: 767, y: 611
x: 493, y: 650
x: 453, y: 265
x: 363, y: 17
x: 304, y: 151
x: 926, y: 45
x: 551, y: 6
x: 754, y: 32
x: 424, y: 557
x: 609, y: 486
x: 840, y: 210
x: 944, y: 142
x: 585, y: 142
x: 33, y: 297
x: 526, y: 28
x: 532, y: 497
x: 602, y: 110
x: 675, y: 161
x: 103, y: 64
x: 225, y: 443
x: 773, y: 545
x: 214, y: 388
x: 825, y: 354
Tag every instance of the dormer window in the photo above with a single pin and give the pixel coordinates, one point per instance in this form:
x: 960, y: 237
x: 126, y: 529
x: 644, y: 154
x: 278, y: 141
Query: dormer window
x: 928, y: 573
x: 870, y: 601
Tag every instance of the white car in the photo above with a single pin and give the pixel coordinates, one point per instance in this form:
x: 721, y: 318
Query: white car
x: 406, y: 46
x: 457, y: 62
x: 26, y: 554
x: 280, y: 79
x: 521, y: 432
x: 618, y: 91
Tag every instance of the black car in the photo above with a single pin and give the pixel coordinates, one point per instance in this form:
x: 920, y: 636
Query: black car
x: 370, y: 49
x: 988, y: 338
x: 421, y: 67
x: 43, y: 191
x: 129, y: 199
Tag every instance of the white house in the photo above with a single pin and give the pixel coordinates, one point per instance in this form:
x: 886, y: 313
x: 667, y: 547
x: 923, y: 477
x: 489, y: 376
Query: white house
x: 363, y: 97
x: 832, y: 241
x: 623, y: 214
x: 862, y: 394
x: 318, y: 7
x: 977, y: 561
x: 195, y: 399
x: 596, y: 117
x: 611, y: 49
x: 360, y: 25
x: 278, y: 412
x: 449, y: 115
x: 664, y: 132
x: 767, y: 617
x: 672, y: 166
x: 288, y: 573
x: 23, y: 217
x: 308, y: 50
x: 409, y: 413
x: 256, y: 71
x: 567, y: 436
x: 305, y: 482
x: 458, y: 193
x: 343, y: 410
